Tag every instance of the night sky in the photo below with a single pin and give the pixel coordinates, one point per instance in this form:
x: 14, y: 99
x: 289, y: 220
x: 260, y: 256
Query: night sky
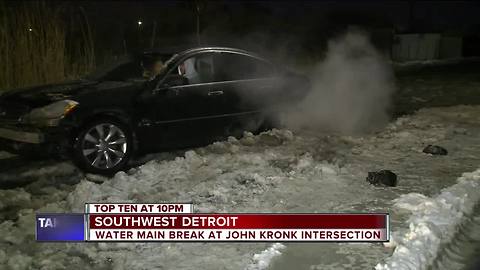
x: 435, y: 15
x: 298, y: 25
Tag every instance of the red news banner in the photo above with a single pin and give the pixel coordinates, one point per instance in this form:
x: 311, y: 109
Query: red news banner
x: 176, y: 222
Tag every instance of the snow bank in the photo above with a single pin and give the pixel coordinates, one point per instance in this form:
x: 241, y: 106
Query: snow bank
x: 262, y: 260
x: 433, y: 222
x: 434, y: 62
x: 232, y: 175
x: 4, y: 155
x: 275, y: 171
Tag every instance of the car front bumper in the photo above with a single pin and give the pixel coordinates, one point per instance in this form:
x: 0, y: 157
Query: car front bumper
x: 22, y: 136
x: 30, y: 141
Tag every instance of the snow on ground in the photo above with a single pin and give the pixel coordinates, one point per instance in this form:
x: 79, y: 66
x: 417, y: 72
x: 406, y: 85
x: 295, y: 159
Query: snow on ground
x: 434, y: 221
x: 262, y: 260
x: 276, y: 171
x: 4, y: 155
x: 433, y: 62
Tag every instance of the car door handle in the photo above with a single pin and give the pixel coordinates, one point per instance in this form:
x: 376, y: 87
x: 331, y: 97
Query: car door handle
x: 215, y: 93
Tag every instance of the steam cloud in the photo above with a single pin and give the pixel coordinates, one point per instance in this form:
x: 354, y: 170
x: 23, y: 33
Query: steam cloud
x: 351, y: 89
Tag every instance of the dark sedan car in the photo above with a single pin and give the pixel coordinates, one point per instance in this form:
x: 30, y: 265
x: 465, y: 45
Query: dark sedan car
x: 193, y: 96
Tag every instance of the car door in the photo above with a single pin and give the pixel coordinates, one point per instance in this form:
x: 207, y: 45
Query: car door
x: 187, y: 107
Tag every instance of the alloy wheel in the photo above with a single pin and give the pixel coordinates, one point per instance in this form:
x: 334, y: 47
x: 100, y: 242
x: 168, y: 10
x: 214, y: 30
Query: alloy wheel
x: 104, y: 146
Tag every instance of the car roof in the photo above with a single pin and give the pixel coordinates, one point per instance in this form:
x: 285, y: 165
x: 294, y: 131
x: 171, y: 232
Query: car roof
x: 182, y: 50
x: 167, y: 50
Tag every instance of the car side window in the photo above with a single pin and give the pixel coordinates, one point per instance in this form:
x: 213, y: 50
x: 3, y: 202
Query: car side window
x: 232, y: 67
x: 197, y: 69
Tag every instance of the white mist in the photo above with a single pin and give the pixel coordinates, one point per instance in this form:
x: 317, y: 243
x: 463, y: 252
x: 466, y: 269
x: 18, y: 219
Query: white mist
x: 351, y: 89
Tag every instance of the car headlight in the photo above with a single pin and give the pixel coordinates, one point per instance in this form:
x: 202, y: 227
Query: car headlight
x: 51, y: 114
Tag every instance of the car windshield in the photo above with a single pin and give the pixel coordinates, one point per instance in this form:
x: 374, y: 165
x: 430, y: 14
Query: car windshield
x: 129, y: 67
x: 107, y: 69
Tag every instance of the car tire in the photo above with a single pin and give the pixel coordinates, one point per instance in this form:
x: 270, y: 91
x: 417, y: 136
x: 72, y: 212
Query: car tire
x: 103, y: 146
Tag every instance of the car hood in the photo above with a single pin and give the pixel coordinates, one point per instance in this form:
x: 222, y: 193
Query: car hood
x: 16, y: 103
x: 45, y: 94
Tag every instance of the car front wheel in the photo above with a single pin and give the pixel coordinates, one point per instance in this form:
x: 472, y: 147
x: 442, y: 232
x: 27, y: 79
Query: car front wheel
x: 103, y: 147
